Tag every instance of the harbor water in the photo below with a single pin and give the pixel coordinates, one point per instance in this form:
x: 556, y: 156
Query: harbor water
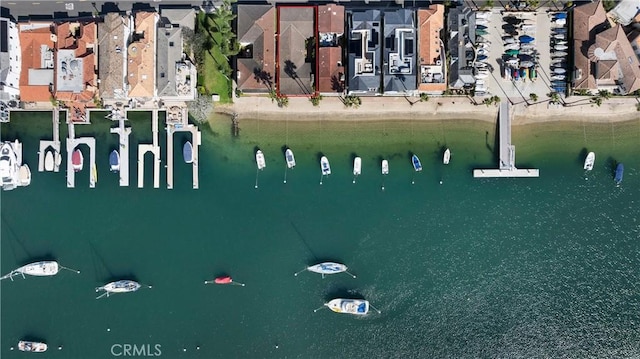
x: 458, y: 267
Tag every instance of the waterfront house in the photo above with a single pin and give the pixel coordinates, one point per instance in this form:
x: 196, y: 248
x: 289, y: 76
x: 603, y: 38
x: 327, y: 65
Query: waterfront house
x: 331, y: 70
x: 364, y: 53
x: 432, y: 76
x: 256, y: 61
x: 10, y: 62
x: 141, y: 59
x: 399, y: 62
x: 36, y: 75
x: 588, y: 20
x: 461, y: 39
x: 112, y: 44
x: 296, y: 50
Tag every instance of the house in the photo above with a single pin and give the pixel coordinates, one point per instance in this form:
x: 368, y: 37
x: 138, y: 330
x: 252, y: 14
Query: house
x: 256, y: 61
x: 588, y: 20
x: 36, y: 75
x: 331, y: 70
x: 175, y: 74
x: 364, y: 52
x: 399, y: 51
x: 141, y: 58
x: 10, y: 61
x: 76, y: 80
x: 112, y: 40
x: 460, y: 43
x: 432, y: 78
x: 296, y: 50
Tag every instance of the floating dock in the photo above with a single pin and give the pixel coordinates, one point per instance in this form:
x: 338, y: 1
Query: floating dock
x: 54, y: 144
x: 196, y: 141
x: 154, y: 148
x: 123, y: 150
x: 72, y: 143
x: 507, y: 155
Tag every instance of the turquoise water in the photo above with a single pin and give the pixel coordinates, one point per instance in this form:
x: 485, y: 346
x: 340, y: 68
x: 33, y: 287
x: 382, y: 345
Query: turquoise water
x: 543, y: 267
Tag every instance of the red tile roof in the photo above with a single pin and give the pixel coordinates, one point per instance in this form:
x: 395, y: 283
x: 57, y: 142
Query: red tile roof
x: 31, y: 41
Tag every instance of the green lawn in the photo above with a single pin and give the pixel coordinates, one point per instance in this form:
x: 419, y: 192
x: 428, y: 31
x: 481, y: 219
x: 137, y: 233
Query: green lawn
x: 209, y: 76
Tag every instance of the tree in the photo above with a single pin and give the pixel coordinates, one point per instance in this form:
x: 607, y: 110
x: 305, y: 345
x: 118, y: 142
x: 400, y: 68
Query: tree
x: 554, y: 96
x: 604, y: 94
x: 424, y: 97
x: 315, y: 99
x: 597, y: 101
x: 533, y: 97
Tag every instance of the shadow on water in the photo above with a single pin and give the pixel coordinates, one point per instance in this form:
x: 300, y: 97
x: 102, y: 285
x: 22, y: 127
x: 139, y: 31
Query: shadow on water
x: 284, y: 149
x: 611, y: 164
x: 342, y: 292
x: 99, y: 264
x: 352, y: 158
x: 496, y: 144
x: 304, y: 241
x: 16, y: 239
x: 582, y: 155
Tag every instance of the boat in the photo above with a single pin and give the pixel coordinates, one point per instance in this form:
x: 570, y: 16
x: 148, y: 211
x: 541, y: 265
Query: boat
x: 24, y: 175
x: 560, y: 47
x: 482, y: 52
x: 481, y: 32
x: 560, y: 42
x: 327, y: 268
x: 619, y: 173
x: 446, y: 157
x: 559, y: 70
x: 121, y: 286
x: 291, y: 160
x: 558, y: 54
x: 223, y: 280
x: 37, y: 269
x: 58, y: 158
x: 416, y: 163
x: 559, y: 36
x: 349, y: 306
x: 481, y: 75
x: 561, y: 15
x: 28, y: 346
x: 324, y: 166
x: 77, y: 160
x: 480, y: 26
x: 525, y: 39
x: 589, y: 161
x: 8, y: 167
x: 514, y: 46
x: 48, y: 161
x: 558, y: 77
x: 94, y: 173
x: 385, y: 167
x: 357, y: 166
x: 527, y: 64
x: 260, y: 160
x: 187, y: 152
x: 114, y: 161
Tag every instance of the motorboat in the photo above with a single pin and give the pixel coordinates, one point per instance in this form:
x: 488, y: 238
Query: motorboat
x: 558, y: 77
x: 560, y: 42
x: 483, y: 14
x: 589, y: 161
x: 28, y: 346
x: 37, y: 269
x: 512, y: 52
x: 385, y: 167
x: 416, y: 163
x: 446, y: 157
x: 114, y: 161
x: 527, y: 64
x: 481, y: 32
x: 528, y: 51
x: 560, y: 47
x: 349, y: 306
x: 526, y: 39
x: 325, y: 167
x: 512, y: 46
x: 48, y: 161
x: 482, y: 22
x: 483, y: 52
x: 357, y: 166
x: 558, y: 54
x: 481, y: 75
x: 560, y: 15
x: 225, y: 279
x: 260, y: 160
x: 559, y: 36
x: 8, y: 166
x: 513, y: 62
x: 24, y: 175
x: 291, y: 160
x: 187, y: 152
x: 510, y: 40
x: 482, y: 57
x: 559, y: 70
x: 619, y: 173
x: 121, y: 286
x: 77, y: 160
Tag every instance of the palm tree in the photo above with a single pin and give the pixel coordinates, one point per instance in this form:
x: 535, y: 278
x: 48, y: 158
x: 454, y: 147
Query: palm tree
x: 533, y: 97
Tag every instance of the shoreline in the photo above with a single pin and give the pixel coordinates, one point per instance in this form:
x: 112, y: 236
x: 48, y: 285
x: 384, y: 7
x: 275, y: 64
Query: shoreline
x: 578, y: 109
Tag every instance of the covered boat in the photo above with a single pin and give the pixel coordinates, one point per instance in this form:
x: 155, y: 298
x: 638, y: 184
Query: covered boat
x: 324, y: 166
x: 416, y: 163
x: 77, y: 160
x: 349, y: 306
x: 260, y: 161
x: 187, y: 152
x: 28, y: 346
x: 114, y: 161
x: 619, y: 173
x: 385, y: 167
x: 357, y: 166
x: 291, y: 160
x: 48, y: 161
x: 589, y: 161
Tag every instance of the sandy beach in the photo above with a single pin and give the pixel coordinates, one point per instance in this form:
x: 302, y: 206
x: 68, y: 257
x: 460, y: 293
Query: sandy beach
x: 436, y: 108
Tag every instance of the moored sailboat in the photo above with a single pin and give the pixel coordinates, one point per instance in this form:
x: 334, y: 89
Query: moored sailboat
x: 326, y: 268
x: 38, y: 269
x: 121, y: 286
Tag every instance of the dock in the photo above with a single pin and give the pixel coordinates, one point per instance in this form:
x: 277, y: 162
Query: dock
x: 54, y: 144
x: 123, y: 150
x: 196, y: 140
x: 154, y: 148
x: 72, y: 143
x: 507, y: 151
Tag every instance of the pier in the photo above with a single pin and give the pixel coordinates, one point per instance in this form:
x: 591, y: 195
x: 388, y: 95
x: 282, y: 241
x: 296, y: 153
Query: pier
x: 72, y: 143
x: 179, y: 122
x: 154, y: 148
x: 507, y: 151
x: 54, y: 144
x: 123, y: 149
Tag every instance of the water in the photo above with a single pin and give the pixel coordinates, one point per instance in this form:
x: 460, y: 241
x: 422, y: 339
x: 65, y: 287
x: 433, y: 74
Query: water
x: 543, y: 267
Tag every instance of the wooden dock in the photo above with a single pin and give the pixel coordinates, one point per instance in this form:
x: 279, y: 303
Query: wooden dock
x: 196, y: 141
x: 54, y: 144
x: 154, y: 148
x: 507, y: 151
x: 123, y: 149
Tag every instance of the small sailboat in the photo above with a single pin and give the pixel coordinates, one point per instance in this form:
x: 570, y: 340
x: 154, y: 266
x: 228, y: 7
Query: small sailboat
x: 446, y: 157
x: 48, y: 161
x: 37, y: 269
x: 114, y: 161
x: 28, y: 346
x: 24, y: 175
x: 416, y: 163
x: 324, y: 166
x: 619, y: 173
x: 121, y: 286
x: 349, y: 306
x: 291, y: 160
x: 357, y: 166
x: 589, y: 161
x: 326, y: 268
x: 223, y: 280
x: 260, y: 160
x: 77, y: 160
x: 187, y: 152
x: 385, y: 167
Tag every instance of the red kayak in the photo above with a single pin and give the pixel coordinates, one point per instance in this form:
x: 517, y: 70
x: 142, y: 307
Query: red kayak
x: 223, y: 280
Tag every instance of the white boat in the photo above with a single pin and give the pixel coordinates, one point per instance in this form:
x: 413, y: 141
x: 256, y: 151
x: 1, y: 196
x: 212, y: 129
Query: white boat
x: 77, y: 160
x: 38, y: 269
x: 589, y: 161
x: 291, y: 160
x: 48, y: 161
x: 326, y: 268
x: 560, y: 47
x: 481, y: 75
x: 385, y: 167
x: 483, y: 14
x: 187, y: 152
x: 324, y: 166
x: 28, y: 346
x: 349, y: 306
x: 260, y: 160
x: 357, y: 166
x: 121, y: 286
x: 446, y: 157
x: 8, y: 167
x: 558, y: 77
x: 114, y: 161
x: 559, y: 70
x: 514, y: 46
x: 24, y: 175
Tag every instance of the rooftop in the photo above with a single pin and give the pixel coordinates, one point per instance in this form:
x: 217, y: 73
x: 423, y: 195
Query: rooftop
x: 296, y: 26
x: 112, y: 40
x: 431, y: 22
x: 141, y: 57
x: 399, y: 51
x: 364, y: 51
x: 256, y: 35
x: 37, y: 45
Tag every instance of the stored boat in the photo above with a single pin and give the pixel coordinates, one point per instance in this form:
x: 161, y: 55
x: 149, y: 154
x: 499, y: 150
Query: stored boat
x: 27, y: 346
x: 560, y: 47
x: 121, y: 286
x: 446, y: 157
x: 48, y: 161
x: 357, y: 166
x: 514, y: 46
x: 187, y: 152
x: 481, y: 75
x: 291, y: 160
x: 525, y: 39
x: 385, y: 167
x: 558, y: 77
x: 559, y: 70
x: 349, y: 306
x: 619, y: 173
x: 77, y: 160
x: 324, y: 166
x: 38, y: 269
x: 416, y: 163
x: 558, y: 54
x: 589, y: 161
x: 260, y: 160
x: 114, y: 161
x: 8, y: 167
